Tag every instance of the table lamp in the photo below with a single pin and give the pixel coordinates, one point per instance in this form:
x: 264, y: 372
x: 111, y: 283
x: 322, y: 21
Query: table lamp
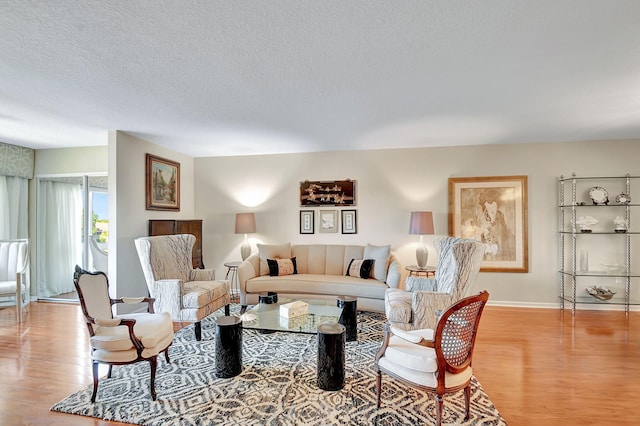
x: 421, y: 224
x: 245, y: 224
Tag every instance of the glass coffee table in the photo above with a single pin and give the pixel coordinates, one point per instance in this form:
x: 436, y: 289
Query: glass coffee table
x: 266, y: 317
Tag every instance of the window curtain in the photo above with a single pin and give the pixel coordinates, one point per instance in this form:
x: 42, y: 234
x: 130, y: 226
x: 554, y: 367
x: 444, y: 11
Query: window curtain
x: 13, y: 207
x: 59, y: 237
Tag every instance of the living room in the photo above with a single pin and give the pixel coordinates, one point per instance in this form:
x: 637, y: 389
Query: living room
x: 251, y: 99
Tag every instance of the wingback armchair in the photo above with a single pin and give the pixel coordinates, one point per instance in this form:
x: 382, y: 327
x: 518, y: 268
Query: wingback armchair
x: 456, y: 271
x: 188, y: 294
x: 14, y: 274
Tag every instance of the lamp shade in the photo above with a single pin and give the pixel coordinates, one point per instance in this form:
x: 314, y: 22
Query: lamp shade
x: 421, y: 223
x: 245, y: 223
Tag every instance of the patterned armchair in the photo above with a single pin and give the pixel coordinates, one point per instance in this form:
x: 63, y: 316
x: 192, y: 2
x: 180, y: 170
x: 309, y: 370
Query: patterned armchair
x: 187, y: 294
x: 425, y: 298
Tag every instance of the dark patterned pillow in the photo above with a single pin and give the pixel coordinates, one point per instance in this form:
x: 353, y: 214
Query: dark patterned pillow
x: 278, y: 267
x: 360, y: 268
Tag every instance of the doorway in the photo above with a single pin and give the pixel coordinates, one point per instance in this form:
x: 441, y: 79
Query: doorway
x: 65, y: 205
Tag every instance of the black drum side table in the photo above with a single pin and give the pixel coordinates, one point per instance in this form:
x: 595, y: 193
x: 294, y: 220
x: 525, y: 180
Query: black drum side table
x: 349, y: 317
x: 228, y: 342
x: 331, y: 356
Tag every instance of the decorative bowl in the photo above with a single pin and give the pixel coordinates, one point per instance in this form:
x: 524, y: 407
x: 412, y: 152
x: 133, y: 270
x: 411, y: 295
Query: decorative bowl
x: 600, y: 293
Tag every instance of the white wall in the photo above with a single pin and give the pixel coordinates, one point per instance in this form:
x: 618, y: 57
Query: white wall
x: 128, y: 217
x: 391, y: 184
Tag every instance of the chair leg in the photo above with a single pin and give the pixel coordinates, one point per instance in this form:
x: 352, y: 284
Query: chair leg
x: 227, y: 312
x: 379, y: 386
x: 166, y: 356
x: 95, y: 381
x: 438, y: 410
x: 198, y: 329
x: 243, y: 309
x: 467, y: 400
x: 110, y: 371
x: 153, y: 363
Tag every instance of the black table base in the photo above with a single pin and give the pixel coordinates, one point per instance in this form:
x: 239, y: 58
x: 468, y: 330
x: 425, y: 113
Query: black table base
x: 349, y: 317
x: 228, y: 346
x: 331, y: 356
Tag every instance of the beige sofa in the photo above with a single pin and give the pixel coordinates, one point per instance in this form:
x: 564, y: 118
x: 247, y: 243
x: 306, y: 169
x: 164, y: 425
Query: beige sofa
x: 321, y: 273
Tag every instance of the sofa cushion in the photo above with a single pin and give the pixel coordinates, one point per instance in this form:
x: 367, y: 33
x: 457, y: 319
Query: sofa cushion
x: 278, y: 267
x: 380, y: 256
x: 272, y: 251
x: 338, y: 285
x: 360, y: 268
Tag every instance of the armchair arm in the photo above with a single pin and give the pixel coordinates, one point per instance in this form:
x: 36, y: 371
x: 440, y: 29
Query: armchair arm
x: 425, y: 306
x: 135, y: 300
x: 168, y: 296
x: 118, y: 322
x: 202, y: 274
x: 420, y: 337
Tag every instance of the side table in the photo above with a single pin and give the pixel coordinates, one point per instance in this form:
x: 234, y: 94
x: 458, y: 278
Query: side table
x: 416, y: 271
x: 331, y: 356
x: 228, y: 341
x: 349, y: 317
x: 232, y: 268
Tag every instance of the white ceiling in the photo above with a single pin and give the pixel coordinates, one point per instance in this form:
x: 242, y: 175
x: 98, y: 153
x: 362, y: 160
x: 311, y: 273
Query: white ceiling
x: 229, y: 77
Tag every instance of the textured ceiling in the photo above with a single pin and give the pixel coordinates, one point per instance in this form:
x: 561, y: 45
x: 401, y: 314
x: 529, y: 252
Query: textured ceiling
x: 229, y: 77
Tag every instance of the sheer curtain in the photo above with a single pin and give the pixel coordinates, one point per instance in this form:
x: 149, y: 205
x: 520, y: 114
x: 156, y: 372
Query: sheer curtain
x: 13, y: 207
x: 59, y: 236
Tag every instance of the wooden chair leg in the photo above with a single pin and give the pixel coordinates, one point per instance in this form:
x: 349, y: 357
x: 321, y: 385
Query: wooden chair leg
x: 227, y: 312
x: 166, y: 356
x: 95, y: 381
x: 110, y: 371
x: 379, y: 386
x: 153, y: 363
x: 467, y: 400
x: 198, y: 330
x: 438, y: 410
x: 243, y: 309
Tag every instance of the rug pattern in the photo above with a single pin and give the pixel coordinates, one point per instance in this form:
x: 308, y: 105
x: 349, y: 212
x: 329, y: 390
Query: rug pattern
x: 277, y: 386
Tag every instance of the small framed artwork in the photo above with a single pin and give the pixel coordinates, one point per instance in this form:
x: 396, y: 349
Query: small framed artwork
x: 492, y: 210
x: 307, y: 219
x: 349, y: 225
x: 328, y: 221
x: 162, y: 184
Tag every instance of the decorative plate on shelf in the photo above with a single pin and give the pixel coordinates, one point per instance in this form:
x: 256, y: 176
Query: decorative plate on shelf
x: 599, y: 195
x: 623, y: 198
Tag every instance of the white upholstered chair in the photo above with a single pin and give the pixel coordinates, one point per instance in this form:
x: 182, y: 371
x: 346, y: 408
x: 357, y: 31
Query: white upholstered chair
x: 125, y: 339
x: 14, y: 274
x: 187, y: 294
x: 436, y: 360
x: 417, y: 307
x: 100, y: 257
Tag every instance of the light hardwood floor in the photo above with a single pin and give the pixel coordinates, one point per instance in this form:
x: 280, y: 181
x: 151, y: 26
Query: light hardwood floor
x: 538, y: 366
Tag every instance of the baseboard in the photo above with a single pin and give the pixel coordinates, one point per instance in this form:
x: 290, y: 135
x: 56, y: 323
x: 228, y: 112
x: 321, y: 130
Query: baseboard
x: 567, y: 306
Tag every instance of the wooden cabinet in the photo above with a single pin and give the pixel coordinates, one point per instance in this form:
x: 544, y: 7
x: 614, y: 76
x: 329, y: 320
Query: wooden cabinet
x: 171, y: 227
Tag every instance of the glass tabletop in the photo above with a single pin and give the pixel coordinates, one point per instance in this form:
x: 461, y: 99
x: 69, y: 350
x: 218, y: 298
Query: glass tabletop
x: 266, y: 316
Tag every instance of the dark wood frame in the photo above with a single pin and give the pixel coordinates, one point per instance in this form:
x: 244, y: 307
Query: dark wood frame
x: 152, y: 163
x: 476, y: 188
x: 328, y: 193
x: 345, y: 214
x: 313, y: 219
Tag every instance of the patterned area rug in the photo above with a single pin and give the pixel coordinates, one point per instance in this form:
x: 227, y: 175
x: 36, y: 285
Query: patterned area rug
x: 277, y: 386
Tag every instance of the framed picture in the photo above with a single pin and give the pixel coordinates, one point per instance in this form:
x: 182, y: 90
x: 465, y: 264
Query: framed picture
x: 163, y: 184
x: 328, y: 221
x: 328, y: 193
x: 307, y: 219
x: 492, y: 210
x: 349, y: 225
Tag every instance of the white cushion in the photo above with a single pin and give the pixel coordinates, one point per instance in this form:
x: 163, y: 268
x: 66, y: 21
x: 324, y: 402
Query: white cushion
x: 428, y: 379
x: 411, y: 355
x: 151, y: 329
x: 272, y: 251
x: 380, y: 255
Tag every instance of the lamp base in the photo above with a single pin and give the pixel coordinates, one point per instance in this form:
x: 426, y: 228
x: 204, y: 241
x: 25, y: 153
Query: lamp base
x: 422, y: 255
x: 245, y: 248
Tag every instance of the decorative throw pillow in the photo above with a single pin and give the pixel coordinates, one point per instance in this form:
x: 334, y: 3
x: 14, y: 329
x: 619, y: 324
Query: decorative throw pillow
x: 380, y: 256
x: 272, y: 251
x: 279, y: 267
x: 360, y: 268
